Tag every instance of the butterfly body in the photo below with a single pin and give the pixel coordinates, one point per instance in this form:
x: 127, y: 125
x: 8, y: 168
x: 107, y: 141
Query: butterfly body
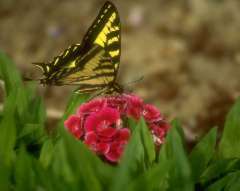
x: 93, y: 64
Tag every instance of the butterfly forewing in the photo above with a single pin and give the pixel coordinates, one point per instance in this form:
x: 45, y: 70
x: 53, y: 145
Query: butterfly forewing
x: 66, y: 58
x: 106, y: 32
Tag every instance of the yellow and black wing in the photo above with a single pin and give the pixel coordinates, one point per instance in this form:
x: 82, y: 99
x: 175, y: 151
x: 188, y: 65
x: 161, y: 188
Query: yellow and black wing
x: 94, y: 71
x: 94, y: 63
x: 106, y: 32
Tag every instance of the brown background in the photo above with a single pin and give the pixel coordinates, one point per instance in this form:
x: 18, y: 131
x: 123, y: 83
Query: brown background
x: 187, y: 50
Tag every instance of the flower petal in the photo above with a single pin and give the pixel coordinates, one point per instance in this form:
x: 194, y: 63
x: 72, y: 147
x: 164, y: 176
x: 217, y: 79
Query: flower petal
x: 107, y: 132
x: 151, y: 113
x: 92, y: 106
x: 115, y: 152
x: 73, y: 124
x: 123, y: 134
x: 101, y: 119
x: 90, y: 138
x: 117, y: 102
x: 103, y: 148
x: 134, y: 106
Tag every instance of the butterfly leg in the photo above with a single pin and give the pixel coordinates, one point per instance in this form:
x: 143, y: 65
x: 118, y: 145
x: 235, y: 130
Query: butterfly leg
x: 97, y: 93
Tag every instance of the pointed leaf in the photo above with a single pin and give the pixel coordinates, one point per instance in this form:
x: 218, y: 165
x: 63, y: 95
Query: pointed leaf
x: 47, y: 153
x: 202, y: 153
x: 147, y: 142
x: 5, y: 174
x: 139, y: 155
x: 9, y: 73
x: 218, y: 169
x: 132, y: 162
x: 24, y: 174
x: 180, y: 171
x: 229, y: 146
x: 83, y: 163
x: 229, y: 182
x: 8, y: 130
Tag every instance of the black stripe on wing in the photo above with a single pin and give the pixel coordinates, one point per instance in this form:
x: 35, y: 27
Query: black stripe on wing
x: 105, y: 30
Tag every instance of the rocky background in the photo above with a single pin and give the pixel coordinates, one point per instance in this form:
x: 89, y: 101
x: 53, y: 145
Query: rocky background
x: 187, y: 50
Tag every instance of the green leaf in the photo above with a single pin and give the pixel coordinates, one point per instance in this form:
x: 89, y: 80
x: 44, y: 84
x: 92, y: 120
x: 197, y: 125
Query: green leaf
x: 60, y: 164
x: 12, y: 81
x: 219, y: 185
x: 138, y: 157
x: 234, y: 184
x: 8, y: 130
x: 218, y: 169
x: 147, y: 142
x: 155, y: 178
x: 37, y: 111
x: 48, y: 180
x: 84, y: 164
x: 32, y: 136
x: 22, y: 104
x: 132, y: 162
x: 78, y: 165
x: 47, y: 153
x: 203, y: 153
x: 229, y: 146
x: 29, y: 107
x: 9, y: 74
x: 24, y: 174
x: 29, y: 130
x: 5, y: 173
x: 176, y: 124
x: 180, y: 171
x: 229, y: 182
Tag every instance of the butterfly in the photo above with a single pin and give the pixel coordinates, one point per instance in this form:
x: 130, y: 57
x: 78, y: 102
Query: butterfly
x: 93, y: 64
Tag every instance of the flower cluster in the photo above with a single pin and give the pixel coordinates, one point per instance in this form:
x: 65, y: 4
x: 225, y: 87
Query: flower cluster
x: 99, y: 123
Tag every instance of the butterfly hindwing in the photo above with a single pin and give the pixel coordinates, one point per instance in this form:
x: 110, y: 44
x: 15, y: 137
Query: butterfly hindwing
x: 94, y: 69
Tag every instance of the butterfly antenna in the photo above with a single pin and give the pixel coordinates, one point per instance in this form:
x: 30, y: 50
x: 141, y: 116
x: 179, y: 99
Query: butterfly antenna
x: 135, y: 81
x: 31, y: 79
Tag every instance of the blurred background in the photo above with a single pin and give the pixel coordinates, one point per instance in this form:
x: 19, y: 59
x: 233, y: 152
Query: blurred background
x: 187, y: 50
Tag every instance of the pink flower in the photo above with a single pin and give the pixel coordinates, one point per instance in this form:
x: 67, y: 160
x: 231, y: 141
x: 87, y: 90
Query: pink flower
x: 102, y: 119
x: 103, y: 137
x: 92, y: 106
x: 99, y: 124
x: 117, y: 102
x: 73, y: 124
x: 135, y: 106
x: 115, y: 151
x: 108, y: 142
x: 151, y: 113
